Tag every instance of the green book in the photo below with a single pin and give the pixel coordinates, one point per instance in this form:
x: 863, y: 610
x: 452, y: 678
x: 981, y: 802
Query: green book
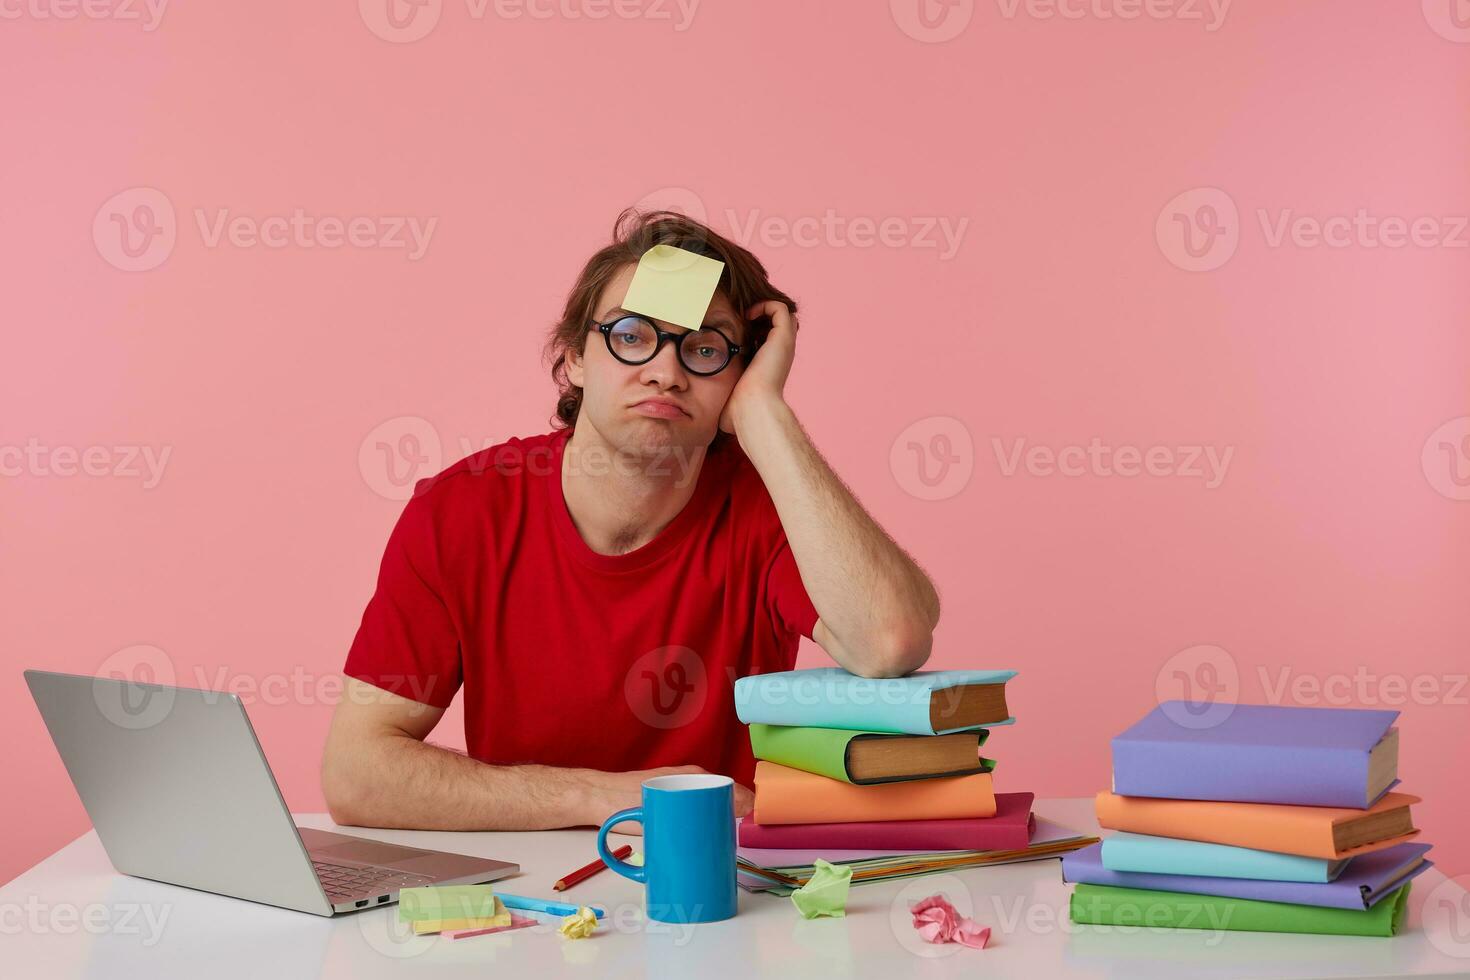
x: 870, y: 757
x: 1115, y: 906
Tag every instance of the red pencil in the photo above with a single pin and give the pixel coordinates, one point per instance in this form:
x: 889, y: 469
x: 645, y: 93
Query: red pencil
x: 582, y: 874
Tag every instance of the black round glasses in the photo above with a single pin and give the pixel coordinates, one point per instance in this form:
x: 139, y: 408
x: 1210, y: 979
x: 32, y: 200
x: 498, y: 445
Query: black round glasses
x: 635, y: 340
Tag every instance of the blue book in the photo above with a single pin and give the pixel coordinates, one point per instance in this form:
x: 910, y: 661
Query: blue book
x: 1144, y: 854
x: 933, y: 702
x: 1369, y: 879
x: 1259, y: 753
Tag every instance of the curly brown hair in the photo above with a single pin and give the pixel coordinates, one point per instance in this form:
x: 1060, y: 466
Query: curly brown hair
x: 743, y: 282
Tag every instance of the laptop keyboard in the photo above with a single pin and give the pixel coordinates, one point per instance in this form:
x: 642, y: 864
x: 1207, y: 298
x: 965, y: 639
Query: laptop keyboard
x: 343, y: 882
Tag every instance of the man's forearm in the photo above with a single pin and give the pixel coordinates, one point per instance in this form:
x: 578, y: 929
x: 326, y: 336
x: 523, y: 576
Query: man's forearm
x: 398, y: 781
x: 868, y: 592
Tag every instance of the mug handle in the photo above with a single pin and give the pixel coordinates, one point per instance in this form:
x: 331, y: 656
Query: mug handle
x: 626, y: 870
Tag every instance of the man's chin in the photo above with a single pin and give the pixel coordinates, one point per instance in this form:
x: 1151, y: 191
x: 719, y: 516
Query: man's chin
x: 652, y: 437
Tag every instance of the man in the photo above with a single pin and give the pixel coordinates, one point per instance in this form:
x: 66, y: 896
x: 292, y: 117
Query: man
x: 597, y: 589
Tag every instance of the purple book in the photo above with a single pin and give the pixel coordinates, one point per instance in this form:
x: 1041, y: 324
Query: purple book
x: 1366, y: 879
x: 1259, y: 753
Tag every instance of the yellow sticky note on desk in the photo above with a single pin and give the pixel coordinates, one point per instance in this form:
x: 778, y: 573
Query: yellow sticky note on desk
x: 673, y: 284
x: 501, y: 917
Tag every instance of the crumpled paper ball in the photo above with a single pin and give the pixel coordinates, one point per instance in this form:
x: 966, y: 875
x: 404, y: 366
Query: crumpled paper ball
x: 581, y: 925
x: 826, y: 892
x: 938, y: 922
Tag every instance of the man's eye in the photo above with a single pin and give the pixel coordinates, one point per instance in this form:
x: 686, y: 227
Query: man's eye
x: 626, y: 339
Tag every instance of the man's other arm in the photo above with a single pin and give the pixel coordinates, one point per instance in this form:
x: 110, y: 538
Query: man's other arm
x: 377, y: 771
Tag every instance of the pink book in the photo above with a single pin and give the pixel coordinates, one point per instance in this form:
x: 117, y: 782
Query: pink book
x: 1011, y: 827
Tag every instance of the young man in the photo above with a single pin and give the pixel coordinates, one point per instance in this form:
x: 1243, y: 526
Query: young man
x: 597, y: 589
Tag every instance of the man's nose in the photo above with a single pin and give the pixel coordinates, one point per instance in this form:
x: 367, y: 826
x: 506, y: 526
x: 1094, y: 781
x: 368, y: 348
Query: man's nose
x: 666, y: 369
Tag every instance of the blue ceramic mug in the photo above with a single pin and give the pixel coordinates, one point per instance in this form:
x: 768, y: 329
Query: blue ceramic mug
x: 688, y: 847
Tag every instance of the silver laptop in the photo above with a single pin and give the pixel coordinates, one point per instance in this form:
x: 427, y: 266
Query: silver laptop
x: 179, y: 791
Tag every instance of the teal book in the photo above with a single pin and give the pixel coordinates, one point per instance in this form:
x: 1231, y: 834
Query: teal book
x: 1145, y: 854
x: 934, y: 702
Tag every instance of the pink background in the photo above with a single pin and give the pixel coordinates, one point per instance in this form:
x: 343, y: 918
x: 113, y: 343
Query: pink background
x: 1329, y: 551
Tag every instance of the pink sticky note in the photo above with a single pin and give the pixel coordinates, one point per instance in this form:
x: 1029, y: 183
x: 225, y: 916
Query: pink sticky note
x: 516, y: 922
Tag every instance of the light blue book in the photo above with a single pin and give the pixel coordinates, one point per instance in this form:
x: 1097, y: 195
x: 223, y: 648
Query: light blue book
x: 1171, y: 856
x: 933, y: 702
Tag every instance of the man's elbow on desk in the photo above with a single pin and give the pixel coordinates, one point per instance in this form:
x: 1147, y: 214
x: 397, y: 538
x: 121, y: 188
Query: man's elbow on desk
x: 342, y: 792
x: 891, y: 653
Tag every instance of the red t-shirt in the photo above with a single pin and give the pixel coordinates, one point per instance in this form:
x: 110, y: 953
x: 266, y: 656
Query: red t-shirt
x: 569, y: 657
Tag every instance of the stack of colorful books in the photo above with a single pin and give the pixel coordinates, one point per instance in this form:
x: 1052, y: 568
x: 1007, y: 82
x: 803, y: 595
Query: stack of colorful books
x: 1257, y: 818
x: 884, y: 774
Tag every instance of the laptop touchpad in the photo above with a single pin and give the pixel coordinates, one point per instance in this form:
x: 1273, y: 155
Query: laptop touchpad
x: 369, y: 852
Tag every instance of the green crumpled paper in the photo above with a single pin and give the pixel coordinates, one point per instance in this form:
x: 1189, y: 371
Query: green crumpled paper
x: 825, y: 893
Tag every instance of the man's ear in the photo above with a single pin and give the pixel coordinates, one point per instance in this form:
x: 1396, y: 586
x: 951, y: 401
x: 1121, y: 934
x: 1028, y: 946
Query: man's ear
x: 574, y: 368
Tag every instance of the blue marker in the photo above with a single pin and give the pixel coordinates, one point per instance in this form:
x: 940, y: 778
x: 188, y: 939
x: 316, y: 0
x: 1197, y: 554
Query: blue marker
x: 542, y: 905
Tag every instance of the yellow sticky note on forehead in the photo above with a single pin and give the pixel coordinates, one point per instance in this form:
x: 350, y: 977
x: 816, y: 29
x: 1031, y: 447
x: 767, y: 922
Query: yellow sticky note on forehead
x: 673, y: 284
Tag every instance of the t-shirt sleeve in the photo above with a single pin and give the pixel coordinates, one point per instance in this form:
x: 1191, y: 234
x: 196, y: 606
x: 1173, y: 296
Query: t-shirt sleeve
x: 790, y: 607
x: 407, y: 643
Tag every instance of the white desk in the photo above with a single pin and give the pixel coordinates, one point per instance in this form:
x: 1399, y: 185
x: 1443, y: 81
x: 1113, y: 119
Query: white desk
x: 72, y: 916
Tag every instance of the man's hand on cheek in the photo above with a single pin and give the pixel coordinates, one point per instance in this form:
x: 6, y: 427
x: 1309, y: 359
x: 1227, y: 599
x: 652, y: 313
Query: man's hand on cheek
x: 763, y: 383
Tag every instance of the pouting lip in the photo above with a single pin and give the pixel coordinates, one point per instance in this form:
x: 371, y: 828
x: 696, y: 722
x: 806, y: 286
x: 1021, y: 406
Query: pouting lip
x: 660, y: 401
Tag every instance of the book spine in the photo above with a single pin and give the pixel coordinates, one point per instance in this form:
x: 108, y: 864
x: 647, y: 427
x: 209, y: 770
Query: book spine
x: 1181, y: 770
x: 1169, y: 856
x: 799, y: 749
x: 823, y: 702
x: 1111, y: 905
x: 1322, y: 895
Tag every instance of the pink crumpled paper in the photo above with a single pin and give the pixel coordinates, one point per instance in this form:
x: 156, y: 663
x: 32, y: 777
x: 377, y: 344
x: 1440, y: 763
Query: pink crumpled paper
x: 938, y: 922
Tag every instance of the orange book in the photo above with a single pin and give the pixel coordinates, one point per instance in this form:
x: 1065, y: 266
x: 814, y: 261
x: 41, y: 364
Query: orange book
x: 786, y: 795
x: 1330, y: 832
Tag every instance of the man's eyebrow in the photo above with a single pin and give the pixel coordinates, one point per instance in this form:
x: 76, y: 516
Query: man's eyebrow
x: 719, y: 319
